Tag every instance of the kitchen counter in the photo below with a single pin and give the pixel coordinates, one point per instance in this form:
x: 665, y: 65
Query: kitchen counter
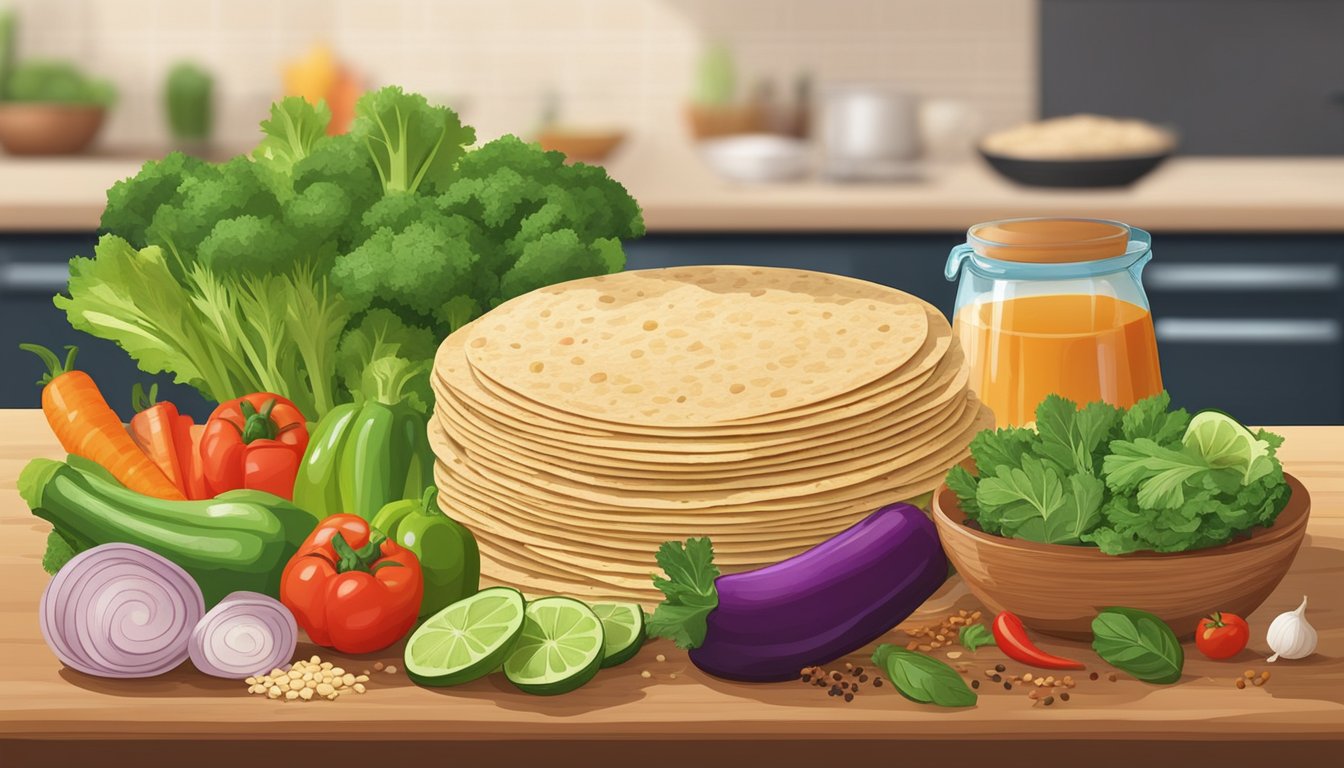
x: 678, y: 716
x: 680, y: 194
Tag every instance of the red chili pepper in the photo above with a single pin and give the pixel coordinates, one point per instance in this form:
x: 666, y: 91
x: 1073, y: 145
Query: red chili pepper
x: 1011, y: 636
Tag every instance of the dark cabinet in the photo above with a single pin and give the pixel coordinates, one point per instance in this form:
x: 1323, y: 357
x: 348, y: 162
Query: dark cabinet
x: 32, y: 270
x: 1248, y: 324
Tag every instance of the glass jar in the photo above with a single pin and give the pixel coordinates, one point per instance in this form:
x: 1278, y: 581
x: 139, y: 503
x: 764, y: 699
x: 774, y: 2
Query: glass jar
x: 1054, y: 306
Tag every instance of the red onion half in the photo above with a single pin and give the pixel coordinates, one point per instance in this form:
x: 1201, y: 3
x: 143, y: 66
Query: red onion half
x: 246, y: 634
x: 118, y: 610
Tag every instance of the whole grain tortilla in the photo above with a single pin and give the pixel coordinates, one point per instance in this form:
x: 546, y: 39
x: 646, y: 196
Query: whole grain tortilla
x: 698, y: 345
x: 909, y: 437
x: 594, y: 501
x: 731, y: 491
x: 461, y: 420
x: 453, y: 373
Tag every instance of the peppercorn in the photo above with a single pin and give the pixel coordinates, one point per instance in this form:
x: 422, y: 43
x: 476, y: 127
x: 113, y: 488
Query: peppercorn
x: 877, y: 682
x: 849, y: 697
x: 1064, y: 696
x: 996, y: 678
x: 975, y: 683
x: 836, y: 676
x: 1093, y: 676
x: 1049, y: 700
x: 1007, y: 686
x: 863, y: 678
x: 998, y: 668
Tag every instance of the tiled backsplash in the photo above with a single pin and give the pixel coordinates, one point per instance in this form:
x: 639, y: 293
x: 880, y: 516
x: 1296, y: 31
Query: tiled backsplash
x: 626, y: 63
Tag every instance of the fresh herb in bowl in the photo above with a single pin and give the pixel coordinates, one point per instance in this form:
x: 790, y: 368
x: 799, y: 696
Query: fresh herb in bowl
x: 1146, y: 478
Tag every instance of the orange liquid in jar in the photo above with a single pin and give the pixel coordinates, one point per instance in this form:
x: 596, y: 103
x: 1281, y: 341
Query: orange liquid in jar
x: 1080, y: 346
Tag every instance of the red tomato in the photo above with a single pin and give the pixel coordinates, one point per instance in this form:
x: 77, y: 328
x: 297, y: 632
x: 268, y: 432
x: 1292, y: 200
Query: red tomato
x: 1222, y: 635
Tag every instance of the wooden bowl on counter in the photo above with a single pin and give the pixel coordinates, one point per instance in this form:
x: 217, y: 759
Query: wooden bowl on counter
x: 1058, y: 589
x: 579, y: 145
x: 33, y: 128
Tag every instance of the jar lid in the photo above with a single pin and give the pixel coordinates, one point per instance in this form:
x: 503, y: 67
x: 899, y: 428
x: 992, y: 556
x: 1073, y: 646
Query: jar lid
x: 1049, y: 240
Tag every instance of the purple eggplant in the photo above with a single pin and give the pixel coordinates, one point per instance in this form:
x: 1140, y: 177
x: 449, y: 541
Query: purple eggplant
x: 766, y: 625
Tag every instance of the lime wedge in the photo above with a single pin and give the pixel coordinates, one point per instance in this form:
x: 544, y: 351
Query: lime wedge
x: 622, y: 630
x: 1224, y: 442
x: 466, y: 640
x: 560, y: 648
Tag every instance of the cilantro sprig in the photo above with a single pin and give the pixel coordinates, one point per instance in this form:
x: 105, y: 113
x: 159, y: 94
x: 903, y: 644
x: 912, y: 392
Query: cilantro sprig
x: 689, y: 586
x: 1123, y: 480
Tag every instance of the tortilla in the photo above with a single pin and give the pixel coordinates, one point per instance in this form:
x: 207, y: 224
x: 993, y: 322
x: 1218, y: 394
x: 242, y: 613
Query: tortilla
x: 696, y: 346
x: 578, y: 427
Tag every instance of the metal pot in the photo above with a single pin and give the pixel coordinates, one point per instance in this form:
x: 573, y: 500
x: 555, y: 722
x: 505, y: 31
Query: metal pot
x: 868, y: 131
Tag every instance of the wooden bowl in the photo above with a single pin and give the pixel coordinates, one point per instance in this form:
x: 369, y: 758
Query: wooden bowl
x: 580, y: 145
x: 31, y: 128
x: 1057, y: 589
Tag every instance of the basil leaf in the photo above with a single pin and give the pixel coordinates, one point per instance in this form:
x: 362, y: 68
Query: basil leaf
x: 923, y: 679
x: 973, y: 636
x: 1138, y: 643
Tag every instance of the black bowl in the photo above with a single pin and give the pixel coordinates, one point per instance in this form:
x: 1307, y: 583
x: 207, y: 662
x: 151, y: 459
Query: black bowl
x: 1107, y: 172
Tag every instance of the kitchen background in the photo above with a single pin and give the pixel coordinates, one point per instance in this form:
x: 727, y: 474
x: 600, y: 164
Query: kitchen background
x: 1248, y: 218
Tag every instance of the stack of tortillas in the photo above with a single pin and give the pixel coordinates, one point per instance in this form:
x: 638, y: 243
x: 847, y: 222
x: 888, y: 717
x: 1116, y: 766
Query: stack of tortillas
x: 579, y: 426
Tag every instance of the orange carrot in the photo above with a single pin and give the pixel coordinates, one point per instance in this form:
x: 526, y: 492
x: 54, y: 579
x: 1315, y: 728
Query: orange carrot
x: 187, y: 438
x: 88, y: 427
x: 152, y: 428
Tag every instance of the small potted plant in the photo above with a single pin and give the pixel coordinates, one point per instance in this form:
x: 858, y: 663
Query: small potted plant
x: 51, y: 108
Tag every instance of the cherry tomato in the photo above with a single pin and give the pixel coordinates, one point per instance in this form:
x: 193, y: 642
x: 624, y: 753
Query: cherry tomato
x: 1222, y: 635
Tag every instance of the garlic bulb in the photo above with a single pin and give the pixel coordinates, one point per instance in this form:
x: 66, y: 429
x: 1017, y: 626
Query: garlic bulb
x: 1290, y: 635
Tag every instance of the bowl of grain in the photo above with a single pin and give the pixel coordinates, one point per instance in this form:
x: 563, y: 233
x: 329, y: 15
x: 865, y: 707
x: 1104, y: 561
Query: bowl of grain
x: 1078, y: 151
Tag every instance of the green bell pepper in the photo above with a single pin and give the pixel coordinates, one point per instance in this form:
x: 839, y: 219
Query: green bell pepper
x: 362, y: 456
x: 449, y: 559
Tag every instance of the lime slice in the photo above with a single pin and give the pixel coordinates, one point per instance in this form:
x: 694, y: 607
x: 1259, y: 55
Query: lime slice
x: 622, y: 630
x: 466, y: 640
x: 1224, y: 442
x: 560, y: 648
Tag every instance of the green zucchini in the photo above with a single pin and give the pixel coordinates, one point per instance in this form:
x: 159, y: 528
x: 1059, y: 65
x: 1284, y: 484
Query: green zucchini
x: 239, y: 540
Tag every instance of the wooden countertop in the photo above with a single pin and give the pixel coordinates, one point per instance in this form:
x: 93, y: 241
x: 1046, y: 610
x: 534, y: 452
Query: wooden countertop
x: 680, y: 194
x: 678, y: 715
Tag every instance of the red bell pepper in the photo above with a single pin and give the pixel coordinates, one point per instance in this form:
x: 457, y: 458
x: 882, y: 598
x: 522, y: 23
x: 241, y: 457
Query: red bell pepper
x: 254, y: 442
x: 351, y: 588
x: 1011, y: 636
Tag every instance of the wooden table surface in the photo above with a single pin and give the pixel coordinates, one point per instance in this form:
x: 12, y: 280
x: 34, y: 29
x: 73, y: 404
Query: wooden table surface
x: 677, y: 714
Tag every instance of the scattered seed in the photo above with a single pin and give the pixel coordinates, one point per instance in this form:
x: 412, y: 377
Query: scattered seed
x: 1248, y: 674
x: 378, y: 666
x: 1264, y: 675
x: 391, y: 670
x: 1112, y: 677
x: 954, y: 654
x: 1241, y: 682
x: 672, y: 676
x: 849, y: 697
x: 646, y: 674
x: 1259, y: 681
x: 998, y: 667
x: 1026, y: 678
x: 660, y: 657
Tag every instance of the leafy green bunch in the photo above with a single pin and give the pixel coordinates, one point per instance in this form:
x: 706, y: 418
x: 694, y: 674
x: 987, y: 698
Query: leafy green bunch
x: 297, y: 268
x: 1122, y: 480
